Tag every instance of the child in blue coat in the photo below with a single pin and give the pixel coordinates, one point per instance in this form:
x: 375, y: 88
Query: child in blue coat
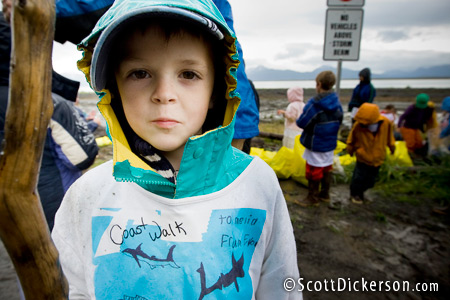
x: 320, y: 120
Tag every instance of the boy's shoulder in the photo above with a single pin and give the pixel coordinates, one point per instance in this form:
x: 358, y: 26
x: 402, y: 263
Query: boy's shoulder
x: 257, y: 171
x: 95, y: 175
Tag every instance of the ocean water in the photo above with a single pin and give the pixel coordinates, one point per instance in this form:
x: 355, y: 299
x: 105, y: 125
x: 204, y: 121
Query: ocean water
x: 438, y: 83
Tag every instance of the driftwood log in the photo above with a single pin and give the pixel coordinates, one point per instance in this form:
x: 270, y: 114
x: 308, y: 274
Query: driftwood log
x: 270, y: 135
x: 23, y: 227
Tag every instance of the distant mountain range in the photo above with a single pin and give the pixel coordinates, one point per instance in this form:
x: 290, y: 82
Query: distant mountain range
x: 261, y: 73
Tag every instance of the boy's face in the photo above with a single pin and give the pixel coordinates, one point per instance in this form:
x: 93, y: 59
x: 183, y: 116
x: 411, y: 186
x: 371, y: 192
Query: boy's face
x: 166, y: 87
x: 318, y: 86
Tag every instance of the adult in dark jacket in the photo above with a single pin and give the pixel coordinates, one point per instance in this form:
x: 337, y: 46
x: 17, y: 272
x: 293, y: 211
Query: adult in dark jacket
x: 69, y: 147
x: 320, y: 121
x: 363, y: 92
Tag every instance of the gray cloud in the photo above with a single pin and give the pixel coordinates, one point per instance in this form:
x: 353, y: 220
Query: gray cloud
x: 293, y: 51
x: 400, y: 60
x: 390, y: 36
x: 290, y: 34
x: 390, y: 13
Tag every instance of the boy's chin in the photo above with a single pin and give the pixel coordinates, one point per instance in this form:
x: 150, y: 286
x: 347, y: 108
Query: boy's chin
x: 169, y: 147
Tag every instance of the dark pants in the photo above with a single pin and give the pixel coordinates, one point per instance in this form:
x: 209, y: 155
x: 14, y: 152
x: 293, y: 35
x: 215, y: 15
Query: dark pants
x: 3, y: 105
x: 364, y: 177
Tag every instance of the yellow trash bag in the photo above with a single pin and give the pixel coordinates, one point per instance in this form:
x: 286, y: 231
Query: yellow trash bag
x: 267, y: 156
x: 340, y: 147
x: 103, y: 141
x: 299, y: 166
x: 400, y: 156
x: 256, y: 151
x: 346, y: 159
x: 282, y: 163
x: 289, y: 163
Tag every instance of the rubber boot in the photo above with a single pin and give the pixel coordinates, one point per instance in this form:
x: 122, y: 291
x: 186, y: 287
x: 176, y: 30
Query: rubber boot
x: 356, y: 199
x: 312, y: 198
x: 324, y: 194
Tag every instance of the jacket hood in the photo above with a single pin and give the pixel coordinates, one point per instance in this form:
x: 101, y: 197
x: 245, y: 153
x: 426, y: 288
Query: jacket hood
x: 328, y: 101
x: 368, y: 113
x: 295, y: 94
x: 365, y: 74
x: 216, y: 142
x: 446, y: 104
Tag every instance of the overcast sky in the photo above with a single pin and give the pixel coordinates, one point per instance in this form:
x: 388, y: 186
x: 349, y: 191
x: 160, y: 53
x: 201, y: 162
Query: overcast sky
x: 289, y: 34
x: 396, y: 34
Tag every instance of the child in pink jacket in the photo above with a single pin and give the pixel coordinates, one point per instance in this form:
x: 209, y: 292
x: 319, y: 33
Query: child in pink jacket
x: 291, y: 114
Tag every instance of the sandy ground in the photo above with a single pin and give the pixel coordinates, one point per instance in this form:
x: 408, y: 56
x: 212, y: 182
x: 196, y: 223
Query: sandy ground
x: 380, y: 241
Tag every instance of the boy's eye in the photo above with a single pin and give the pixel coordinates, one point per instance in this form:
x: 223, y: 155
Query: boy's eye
x: 139, y: 74
x: 189, y: 75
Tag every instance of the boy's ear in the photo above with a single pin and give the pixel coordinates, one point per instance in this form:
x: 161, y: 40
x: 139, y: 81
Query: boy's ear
x: 211, y: 103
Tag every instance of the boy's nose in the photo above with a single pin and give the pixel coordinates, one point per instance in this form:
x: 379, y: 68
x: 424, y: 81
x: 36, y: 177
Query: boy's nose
x: 163, y: 91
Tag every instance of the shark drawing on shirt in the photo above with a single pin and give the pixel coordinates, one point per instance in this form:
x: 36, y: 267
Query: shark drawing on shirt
x: 140, y: 256
x: 224, y: 280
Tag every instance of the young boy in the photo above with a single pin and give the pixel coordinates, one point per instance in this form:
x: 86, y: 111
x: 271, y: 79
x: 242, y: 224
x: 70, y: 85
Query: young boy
x: 390, y: 112
x: 185, y: 215
x: 368, y: 139
x: 320, y: 120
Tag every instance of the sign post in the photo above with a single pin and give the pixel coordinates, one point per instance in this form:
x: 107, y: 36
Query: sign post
x: 343, y: 29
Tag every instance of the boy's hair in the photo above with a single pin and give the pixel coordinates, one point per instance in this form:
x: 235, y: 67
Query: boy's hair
x: 390, y: 107
x: 327, y: 79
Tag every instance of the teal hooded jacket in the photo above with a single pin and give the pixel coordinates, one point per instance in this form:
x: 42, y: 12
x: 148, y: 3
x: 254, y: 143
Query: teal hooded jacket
x: 209, y: 161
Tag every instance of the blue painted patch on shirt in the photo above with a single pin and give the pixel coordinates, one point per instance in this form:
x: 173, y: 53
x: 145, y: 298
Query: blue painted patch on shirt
x: 151, y: 267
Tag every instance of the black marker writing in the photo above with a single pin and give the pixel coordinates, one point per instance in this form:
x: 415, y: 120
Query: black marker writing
x: 238, y: 220
x: 119, y: 235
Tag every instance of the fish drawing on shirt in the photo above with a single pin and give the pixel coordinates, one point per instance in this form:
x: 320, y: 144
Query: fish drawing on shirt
x: 224, y: 280
x: 152, y: 261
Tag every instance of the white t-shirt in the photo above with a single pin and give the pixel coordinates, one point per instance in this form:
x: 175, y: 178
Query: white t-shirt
x: 318, y: 159
x: 354, y: 111
x: 118, y: 241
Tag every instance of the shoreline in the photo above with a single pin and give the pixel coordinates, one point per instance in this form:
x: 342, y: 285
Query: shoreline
x: 274, y: 99
x: 383, y: 94
x: 436, y: 94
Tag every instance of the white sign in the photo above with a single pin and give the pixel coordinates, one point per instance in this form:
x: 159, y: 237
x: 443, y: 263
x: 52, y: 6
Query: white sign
x: 345, y: 3
x: 342, y: 34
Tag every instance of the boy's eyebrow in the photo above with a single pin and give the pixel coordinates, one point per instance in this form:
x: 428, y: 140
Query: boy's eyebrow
x: 193, y: 62
x: 137, y: 62
x: 185, y: 61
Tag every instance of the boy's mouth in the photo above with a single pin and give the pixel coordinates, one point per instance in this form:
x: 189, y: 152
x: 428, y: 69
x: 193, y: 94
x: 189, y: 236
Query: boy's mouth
x: 165, y: 122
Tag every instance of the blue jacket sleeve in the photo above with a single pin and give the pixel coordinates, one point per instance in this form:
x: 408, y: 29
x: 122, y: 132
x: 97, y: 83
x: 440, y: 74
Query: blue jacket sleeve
x: 445, y: 132
x: 247, y: 117
x: 307, y: 115
x: 76, y: 18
